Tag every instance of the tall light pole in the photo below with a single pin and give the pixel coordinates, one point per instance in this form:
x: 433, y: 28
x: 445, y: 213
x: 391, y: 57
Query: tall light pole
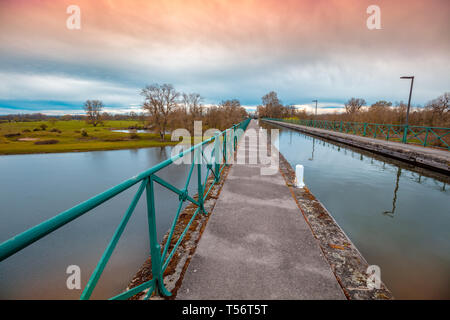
x: 315, y: 117
x: 316, y: 106
x: 405, y: 133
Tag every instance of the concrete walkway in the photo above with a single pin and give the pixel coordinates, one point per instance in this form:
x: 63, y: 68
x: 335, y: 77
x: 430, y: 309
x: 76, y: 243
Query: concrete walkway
x: 257, y: 245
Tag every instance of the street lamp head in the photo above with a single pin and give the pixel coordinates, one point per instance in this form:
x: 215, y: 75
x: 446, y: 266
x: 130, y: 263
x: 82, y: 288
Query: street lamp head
x: 409, y: 105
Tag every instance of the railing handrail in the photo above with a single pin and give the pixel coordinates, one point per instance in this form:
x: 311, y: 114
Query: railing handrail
x: 26, y: 238
x: 423, y: 134
x: 367, y: 123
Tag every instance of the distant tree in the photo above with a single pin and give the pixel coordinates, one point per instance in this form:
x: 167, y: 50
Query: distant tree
x: 381, y: 103
x: 93, y: 109
x: 221, y: 117
x: 378, y: 112
x: 291, y: 111
x: 440, y: 105
x: 272, y: 106
x: 133, y: 115
x: 106, y: 116
x: 233, y: 103
x: 354, y: 105
x: 159, y: 102
x: 192, y: 103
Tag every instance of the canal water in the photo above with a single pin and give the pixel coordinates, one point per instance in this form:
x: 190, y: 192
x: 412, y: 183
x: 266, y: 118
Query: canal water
x: 34, y: 188
x: 397, y: 215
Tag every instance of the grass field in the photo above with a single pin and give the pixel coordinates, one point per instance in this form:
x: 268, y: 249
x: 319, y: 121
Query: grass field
x: 71, y: 136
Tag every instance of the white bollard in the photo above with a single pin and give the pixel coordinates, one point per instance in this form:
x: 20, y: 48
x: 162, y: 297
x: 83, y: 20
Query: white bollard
x: 299, y: 170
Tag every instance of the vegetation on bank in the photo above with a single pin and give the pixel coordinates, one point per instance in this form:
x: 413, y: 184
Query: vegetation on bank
x: 165, y: 110
x: 53, y: 135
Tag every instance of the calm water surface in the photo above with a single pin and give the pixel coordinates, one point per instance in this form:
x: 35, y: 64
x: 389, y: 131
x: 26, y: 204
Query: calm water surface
x: 34, y: 188
x: 398, y: 219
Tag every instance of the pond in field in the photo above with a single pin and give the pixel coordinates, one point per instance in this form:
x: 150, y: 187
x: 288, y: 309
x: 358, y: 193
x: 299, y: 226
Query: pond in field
x: 130, y: 131
x: 36, y: 187
x: 397, y: 215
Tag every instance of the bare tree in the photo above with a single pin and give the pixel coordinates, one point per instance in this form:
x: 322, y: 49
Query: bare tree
x: 159, y: 102
x: 93, y: 109
x: 354, y: 105
x: 440, y: 105
x: 192, y: 103
x: 272, y: 105
x: 221, y: 117
x: 233, y: 103
x: 381, y: 104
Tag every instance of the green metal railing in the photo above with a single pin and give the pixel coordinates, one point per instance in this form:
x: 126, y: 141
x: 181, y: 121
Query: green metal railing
x: 425, y: 136
x: 222, y: 145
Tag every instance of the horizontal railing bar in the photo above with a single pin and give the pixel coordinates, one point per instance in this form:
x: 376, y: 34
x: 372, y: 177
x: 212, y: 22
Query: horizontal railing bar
x: 174, y: 189
x: 353, y: 123
x: 384, y: 130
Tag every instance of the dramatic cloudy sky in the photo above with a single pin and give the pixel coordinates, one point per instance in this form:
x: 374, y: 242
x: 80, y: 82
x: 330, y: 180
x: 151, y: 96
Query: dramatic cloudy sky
x: 302, y: 49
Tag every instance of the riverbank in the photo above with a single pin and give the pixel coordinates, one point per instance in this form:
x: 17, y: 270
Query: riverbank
x: 73, y: 136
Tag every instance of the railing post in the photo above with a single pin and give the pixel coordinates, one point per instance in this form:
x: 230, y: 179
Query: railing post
x: 217, y: 157
x: 405, y: 134
x: 225, y: 148
x: 199, y: 178
x: 234, y: 138
x: 426, y: 137
x: 365, y: 129
x: 341, y: 125
x: 155, y: 248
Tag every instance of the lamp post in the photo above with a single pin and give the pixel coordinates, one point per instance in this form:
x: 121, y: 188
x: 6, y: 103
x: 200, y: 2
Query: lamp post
x: 405, y: 133
x: 315, y: 117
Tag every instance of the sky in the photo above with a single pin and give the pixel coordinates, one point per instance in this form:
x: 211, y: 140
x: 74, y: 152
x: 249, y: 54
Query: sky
x: 221, y: 49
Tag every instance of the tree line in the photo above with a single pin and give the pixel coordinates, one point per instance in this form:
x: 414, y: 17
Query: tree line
x: 166, y: 109
x: 435, y: 113
x: 29, y: 117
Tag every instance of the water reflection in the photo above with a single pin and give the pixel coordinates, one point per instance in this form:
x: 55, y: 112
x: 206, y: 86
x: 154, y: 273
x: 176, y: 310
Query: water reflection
x: 394, y: 200
x: 312, y: 153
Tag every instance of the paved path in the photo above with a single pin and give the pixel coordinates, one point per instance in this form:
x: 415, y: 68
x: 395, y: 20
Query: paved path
x: 257, y: 245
